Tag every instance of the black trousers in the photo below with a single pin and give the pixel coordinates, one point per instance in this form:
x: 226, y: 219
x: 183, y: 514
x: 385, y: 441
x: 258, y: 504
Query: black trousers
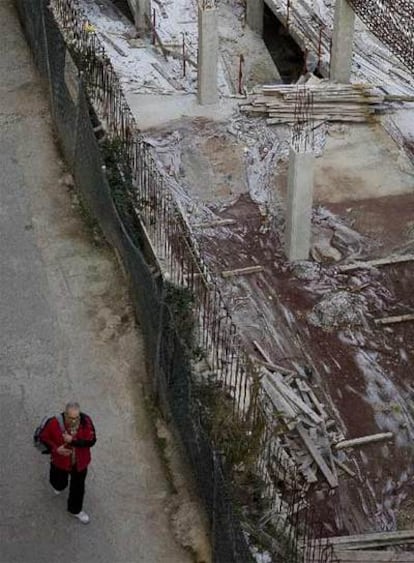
x: 59, y: 480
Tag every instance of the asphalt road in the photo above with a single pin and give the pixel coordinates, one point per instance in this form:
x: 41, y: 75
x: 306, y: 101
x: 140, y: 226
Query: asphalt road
x: 66, y: 332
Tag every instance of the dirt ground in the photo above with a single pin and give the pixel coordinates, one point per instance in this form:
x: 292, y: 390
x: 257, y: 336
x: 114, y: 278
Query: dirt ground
x: 364, y: 195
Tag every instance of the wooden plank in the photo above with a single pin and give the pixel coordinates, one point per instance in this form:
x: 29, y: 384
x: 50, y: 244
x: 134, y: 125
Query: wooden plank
x: 166, y: 76
x: 262, y: 352
x: 216, y: 223
x: 242, y: 271
x: 315, y: 453
x: 394, y: 320
x: 375, y: 539
x: 113, y: 44
x: 352, y: 556
x: 373, y: 438
x: 344, y: 467
x: 377, y: 262
x: 273, y: 367
x: 303, y: 386
x: 280, y: 404
x: 291, y: 396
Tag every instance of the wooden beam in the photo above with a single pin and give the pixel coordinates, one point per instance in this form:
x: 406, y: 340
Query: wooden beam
x: 371, y: 541
x: 293, y: 398
x: 315, y: 453
x: 216, y: 223
x: 364, y: 440
x: 273, y: 367
x: 352, y: 556
x: 394, y: 320
x: 377, y: 262
x: 262, y: 352
x: 344, y: 467
x: 241, y: 271
x: 280, y: 404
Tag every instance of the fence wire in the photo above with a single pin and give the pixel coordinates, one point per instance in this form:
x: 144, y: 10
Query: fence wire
x: 222, y: 414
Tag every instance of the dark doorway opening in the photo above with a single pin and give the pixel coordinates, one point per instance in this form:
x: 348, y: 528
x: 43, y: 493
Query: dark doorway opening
x: 287, y: 55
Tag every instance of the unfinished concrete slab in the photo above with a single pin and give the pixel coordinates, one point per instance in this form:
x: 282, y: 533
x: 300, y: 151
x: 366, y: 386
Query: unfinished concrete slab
x: 361, y: 162
x: 156, y: 110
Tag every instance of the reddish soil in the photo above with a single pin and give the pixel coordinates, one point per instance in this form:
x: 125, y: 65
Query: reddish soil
x: 362, y: 403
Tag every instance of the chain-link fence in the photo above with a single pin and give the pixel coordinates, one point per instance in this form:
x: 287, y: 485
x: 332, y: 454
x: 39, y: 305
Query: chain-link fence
x: 223, y: 416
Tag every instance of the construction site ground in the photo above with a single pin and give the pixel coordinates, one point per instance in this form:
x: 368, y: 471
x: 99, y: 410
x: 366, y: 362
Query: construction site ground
x: 224, y: 165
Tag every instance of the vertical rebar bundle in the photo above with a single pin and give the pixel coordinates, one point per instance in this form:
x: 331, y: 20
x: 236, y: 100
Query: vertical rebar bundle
x: 208, y: 4
x: 303, y: 138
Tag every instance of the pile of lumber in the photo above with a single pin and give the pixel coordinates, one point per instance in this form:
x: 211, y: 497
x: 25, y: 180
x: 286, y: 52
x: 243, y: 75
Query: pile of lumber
x: 311, y: 441
x: 331, y: 102
x: 373, y: 548
x: 306, y: 440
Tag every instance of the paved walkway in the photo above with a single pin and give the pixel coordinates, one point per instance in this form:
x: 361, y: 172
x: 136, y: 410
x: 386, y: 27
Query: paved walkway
x: 66, y: 332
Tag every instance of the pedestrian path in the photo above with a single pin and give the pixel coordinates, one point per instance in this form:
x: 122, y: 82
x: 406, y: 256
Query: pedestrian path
x: 66, y: 333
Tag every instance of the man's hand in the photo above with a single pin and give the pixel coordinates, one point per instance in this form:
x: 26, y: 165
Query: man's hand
x: 61, y: 450
x: 67, y: 438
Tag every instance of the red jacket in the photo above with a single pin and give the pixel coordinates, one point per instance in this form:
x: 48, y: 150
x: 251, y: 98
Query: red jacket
x: 82, y: 442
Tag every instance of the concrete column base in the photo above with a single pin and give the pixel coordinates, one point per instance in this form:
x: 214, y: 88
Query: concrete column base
x: 254, y: 15
x: 141, y: 10
x: 208, y: 45
x: 299, y: 205
x: 342, y: 42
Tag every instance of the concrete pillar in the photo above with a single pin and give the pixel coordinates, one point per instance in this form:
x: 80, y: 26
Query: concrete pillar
x: 299, y: 204
x: 207, y: 55
x: 254, y: 15
x: 142, y: 15
x: 342, y: 42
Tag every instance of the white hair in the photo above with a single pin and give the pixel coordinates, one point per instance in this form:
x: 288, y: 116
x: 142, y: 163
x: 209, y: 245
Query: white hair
x: 72, y: 405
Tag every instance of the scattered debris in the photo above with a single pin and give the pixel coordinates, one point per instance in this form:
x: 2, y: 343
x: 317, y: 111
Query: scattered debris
x: 374, y: 540
x: 217, y: 223
x: 242, y: 271
x: 307, y: 440
x: 396, y: 319
x: 306, y: 270
x: 377, y: 262
x: 382, y: 437
x: 339, y: 309
x: 352, y: 556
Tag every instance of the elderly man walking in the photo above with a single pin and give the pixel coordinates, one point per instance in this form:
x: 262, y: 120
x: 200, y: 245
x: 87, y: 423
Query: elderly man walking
x: 69, y: 438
